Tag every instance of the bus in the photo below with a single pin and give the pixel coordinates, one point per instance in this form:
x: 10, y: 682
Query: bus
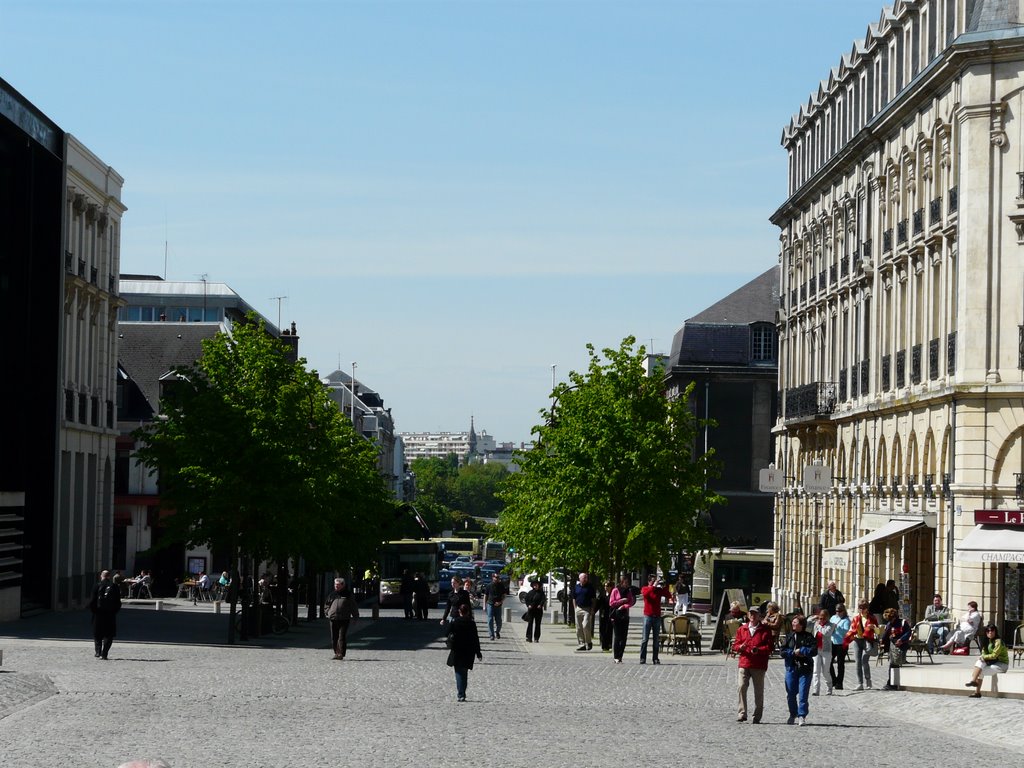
x: 452, y: 547
x: 495, y: 550
x: 716, y: 571
x: 395, y: 557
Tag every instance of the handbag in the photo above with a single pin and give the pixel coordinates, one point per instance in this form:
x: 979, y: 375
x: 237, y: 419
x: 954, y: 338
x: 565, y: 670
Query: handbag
x: 448, y: 640
x: 526, y: 615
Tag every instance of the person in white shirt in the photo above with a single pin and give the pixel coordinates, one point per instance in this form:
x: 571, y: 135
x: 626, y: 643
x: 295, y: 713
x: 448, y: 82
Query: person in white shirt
x: 822, y: 631
x: 969, y: 624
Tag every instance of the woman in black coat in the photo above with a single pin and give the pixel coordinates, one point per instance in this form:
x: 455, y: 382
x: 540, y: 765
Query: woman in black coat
x: 464, y: 642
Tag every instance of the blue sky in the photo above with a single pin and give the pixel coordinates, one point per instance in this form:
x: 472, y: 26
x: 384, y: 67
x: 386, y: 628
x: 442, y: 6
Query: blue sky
x: 456, y: 195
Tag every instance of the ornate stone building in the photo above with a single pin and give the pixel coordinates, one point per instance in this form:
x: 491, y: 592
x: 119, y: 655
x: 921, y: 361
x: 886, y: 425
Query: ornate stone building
x: 901, y: 320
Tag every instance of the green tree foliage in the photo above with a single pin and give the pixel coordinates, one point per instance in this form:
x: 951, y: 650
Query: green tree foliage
x: 256, y: 459
x: 446, y: 494
x: 476, y: 489
x: 611, y: 482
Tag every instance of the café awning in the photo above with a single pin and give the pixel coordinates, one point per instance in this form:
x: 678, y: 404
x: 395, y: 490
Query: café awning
x: 992, y: 544
x: 839, y: 555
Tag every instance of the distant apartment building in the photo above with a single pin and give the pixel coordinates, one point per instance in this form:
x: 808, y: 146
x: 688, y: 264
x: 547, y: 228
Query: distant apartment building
x: 439, y: 445
x: 60, y: 225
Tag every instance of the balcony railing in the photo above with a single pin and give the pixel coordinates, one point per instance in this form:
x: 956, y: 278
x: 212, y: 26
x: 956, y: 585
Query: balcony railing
x: 901, y: 368
x: 844, y: 266
x: 896, y: 485
x: 951, y: 353
x: 915, y: 364
x: 843, y: 378
x: 865, y: 249
x: 69, y: 405
x: 935, y: 211
x: 832, y: 273
x: 933, y: 359
x: 83, y: 408
x: 954, y: 199
x: 929, y: 486
x: 821, y: 280
x: 811, y: 400
x: 865, y: 374
x: 94, y: 275
x: 901, y: 232
x: 81, y: 268
x: 886, y: 372
x: 919, y: 221
x: 887, y: 240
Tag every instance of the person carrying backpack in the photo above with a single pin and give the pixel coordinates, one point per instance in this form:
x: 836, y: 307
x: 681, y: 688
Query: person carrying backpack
x: 104, y: 605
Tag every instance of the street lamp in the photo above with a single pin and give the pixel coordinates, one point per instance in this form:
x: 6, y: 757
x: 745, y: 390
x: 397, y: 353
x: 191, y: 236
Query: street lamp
x: 352, y: 392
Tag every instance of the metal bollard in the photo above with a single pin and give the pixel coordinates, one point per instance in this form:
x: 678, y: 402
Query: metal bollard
x: 508, y: 616
x: 556, y: 616
x: 158, y: 605
x: 216, y: 606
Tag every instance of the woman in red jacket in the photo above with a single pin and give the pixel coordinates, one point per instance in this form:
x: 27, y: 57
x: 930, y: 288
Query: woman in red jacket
x: 863, y: 636
x: 753, y: 645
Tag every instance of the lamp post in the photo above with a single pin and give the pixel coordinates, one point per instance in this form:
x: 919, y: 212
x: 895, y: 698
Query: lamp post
x: 352, y: 392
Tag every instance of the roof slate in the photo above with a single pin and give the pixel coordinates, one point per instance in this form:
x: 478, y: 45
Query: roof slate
x: 147, y: 351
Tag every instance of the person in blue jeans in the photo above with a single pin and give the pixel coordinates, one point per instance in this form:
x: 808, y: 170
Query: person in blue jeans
x: 798, y: 653
x: 494, y: 595
x: 652, y: 595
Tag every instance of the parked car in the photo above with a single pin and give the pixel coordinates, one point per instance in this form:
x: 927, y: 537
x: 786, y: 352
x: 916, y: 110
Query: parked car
x: 552, y: 586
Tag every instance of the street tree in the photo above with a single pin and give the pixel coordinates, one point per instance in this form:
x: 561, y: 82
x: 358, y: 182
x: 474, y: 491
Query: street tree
x: 256, y: 460
x: 611, y: 482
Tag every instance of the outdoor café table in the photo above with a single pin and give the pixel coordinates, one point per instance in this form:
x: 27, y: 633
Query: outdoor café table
x: 186, y: 589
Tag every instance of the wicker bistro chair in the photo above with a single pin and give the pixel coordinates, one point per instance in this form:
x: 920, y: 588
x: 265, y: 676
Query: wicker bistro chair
x: 729, y: 634
x: 919, y: 640
x: 695, y: 638
x: 1018, y: 644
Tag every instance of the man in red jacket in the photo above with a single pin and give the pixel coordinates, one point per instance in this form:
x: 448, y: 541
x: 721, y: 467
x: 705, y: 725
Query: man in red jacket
x: 753, y: 645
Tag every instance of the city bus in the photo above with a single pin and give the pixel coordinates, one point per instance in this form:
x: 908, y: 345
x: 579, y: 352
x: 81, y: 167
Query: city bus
x: 453, y: 547
x: 495, y: 550
x: 395, y: 557
x: 715, y: 571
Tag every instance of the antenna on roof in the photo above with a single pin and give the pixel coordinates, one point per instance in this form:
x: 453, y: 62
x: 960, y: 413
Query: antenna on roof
x: 203, y: 278
x: 278, y: 298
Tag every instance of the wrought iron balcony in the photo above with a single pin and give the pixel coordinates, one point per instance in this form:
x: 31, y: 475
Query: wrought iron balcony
x: 865, y: 249
x: 865, y: 376
x: 887, y: 240
x: 843, y: 378
x: 951, y: 353
x: 811, y: 401
x: 896, y: 485
x: 933, y: 359
x: 929, y: 486
x: 844, y: 266
x: 821, y: 280
x: 954, y: 199
x: 832, y: 273
x: 935, y: 211
x: 919, y: 221
x: 886, y: 372
x: 901, y: 232
x: 915, y: 364
x: 901, y: 369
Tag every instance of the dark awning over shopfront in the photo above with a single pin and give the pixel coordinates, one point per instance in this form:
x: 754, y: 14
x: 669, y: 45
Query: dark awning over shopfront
x: 839, y: 555
x: 992, y: 544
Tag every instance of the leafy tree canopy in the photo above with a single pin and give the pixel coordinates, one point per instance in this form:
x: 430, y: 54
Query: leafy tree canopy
x: 611, y: 482
x: 255, y: 457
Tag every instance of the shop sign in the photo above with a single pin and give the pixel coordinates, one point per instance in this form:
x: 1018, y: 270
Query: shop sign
x: 999, y: 517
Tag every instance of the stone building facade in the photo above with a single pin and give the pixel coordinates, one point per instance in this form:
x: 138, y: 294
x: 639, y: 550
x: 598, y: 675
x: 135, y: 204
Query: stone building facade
x: 901, y: 320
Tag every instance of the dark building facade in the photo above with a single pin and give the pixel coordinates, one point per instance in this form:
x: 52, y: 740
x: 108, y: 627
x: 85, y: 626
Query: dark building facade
x: 730, y: 353
x: 31, y: 290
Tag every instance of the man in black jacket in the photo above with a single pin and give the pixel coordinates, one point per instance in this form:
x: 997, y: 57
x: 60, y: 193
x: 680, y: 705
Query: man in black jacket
x: 104, y: 605
x: 494, y: 594
x: 340, y: 609
x: 830, y: 598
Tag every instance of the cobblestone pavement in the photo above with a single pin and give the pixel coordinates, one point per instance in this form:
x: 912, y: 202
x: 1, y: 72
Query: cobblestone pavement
x: 282, y: 701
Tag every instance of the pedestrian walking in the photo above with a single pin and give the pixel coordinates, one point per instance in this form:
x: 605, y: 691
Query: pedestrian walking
x: 652, y: 595
x: 619, y: 602
x: 584, y: 598
x: 494, y: 596
x: 798, y: 652
x: 822, y: 632
x: 536, y: 601
x: 604, y: 622
x: 464, y: 644
x: 840, y: 626
x: 340, y: 608
x: 682, y: 596
x: 104, y: 605
x: 753, y: 646
x: 456, y: 596
x: 830, y: 598
x: 862, y: 635
x: 405, y: 589
x: 421, y: 596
